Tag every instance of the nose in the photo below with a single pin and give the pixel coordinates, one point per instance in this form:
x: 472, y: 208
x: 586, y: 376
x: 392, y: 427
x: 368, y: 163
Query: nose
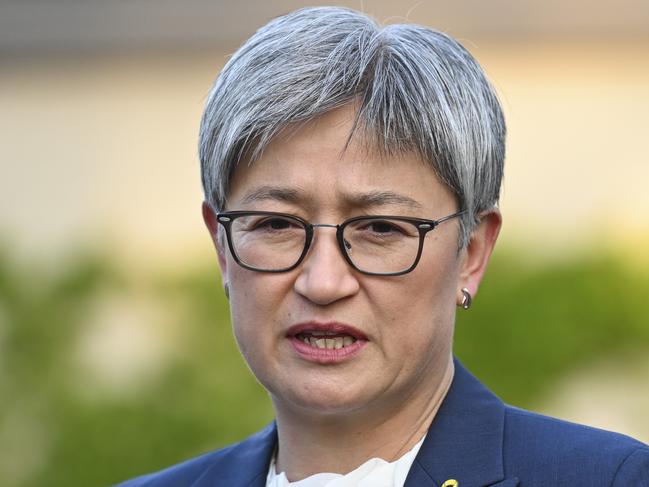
x: 324, y: 275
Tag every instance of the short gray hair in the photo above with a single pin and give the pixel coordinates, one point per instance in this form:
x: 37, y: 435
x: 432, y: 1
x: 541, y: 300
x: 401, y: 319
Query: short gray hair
x: 417, y: 90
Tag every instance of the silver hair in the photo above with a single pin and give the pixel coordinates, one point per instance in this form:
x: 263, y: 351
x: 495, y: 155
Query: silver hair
x: 416, y: 90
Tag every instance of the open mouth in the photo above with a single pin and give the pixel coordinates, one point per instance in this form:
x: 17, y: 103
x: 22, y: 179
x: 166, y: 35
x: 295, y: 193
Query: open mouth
x: 326, y: 343
x: 330, y: 340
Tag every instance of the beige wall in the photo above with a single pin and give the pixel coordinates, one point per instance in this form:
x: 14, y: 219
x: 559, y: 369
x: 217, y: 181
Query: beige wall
x: 97, y: 149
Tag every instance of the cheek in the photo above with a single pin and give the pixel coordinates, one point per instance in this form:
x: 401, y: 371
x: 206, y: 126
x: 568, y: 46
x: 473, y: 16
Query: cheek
x: 252, y: 337
x: 255, y: 299
x: 421, y: 309
x: 439, y: 276
x: 245, y: 318
x: 428, y: 323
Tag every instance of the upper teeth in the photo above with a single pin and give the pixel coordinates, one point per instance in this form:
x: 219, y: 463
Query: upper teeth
x: 335, y: 342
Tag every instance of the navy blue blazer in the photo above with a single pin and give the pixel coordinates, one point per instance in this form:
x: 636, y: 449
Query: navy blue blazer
x: 475, y: 439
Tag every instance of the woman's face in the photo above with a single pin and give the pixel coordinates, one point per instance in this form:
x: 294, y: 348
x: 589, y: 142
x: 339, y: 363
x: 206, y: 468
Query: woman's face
x: 401, y: 327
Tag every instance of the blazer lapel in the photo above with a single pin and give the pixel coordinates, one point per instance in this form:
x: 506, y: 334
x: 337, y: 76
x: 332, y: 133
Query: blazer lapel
x: 465, y: 440
x: 510, y: 482
x: 246, y: 464
x: 419, y: 477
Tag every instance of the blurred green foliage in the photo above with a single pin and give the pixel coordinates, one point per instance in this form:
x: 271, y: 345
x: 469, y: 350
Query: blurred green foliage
x: 533, y: 321
x: 62, y: 426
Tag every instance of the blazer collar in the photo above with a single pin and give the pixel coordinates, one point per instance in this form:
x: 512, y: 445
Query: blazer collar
x: 246, y: 464
x: 465, y: 440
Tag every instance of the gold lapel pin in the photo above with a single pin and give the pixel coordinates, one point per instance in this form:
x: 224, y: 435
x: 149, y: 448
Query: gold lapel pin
x: 451, y: 483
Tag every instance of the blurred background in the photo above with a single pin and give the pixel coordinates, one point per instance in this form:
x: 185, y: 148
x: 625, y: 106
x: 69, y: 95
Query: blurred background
x: 116, y: 356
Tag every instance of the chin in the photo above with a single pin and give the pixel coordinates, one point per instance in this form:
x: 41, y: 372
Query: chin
x: 316, y: 399
x: 324, y: 407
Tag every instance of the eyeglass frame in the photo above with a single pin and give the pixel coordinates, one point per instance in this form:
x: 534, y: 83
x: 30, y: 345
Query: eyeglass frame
x: 423, y: 226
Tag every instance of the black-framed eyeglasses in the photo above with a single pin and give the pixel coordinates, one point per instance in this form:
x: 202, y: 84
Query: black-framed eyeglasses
x: 379, y: 245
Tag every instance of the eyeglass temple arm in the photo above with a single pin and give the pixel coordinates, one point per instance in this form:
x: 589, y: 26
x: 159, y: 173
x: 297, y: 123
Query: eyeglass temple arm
x: 449, y: 217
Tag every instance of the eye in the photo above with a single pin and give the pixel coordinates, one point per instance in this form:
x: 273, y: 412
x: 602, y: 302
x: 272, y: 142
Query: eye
x: 275, y: 224
x: 382, y: 226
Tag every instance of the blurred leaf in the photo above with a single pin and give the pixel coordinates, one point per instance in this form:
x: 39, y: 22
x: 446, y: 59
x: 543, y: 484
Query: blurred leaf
x: 530, y: 324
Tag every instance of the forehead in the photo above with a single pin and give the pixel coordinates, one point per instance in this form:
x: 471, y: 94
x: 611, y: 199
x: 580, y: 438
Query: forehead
x: 316, y: 163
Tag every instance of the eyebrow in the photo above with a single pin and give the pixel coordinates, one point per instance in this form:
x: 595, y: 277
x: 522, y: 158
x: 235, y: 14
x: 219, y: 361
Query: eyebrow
x: 357, y: 200
x: 273, y: 193
x: 382, y: 198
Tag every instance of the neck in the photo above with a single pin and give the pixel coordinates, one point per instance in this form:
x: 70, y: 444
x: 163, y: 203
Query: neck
x: 311, y: 443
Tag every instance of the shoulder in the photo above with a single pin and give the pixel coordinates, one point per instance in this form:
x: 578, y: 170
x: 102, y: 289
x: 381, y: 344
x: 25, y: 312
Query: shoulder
x: 572, y: 454
x: 247, y: 459
x: 184, y: 473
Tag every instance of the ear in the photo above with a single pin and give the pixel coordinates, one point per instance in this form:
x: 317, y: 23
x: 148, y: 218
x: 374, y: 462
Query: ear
x: 209, y: 217
x: 478, y: 251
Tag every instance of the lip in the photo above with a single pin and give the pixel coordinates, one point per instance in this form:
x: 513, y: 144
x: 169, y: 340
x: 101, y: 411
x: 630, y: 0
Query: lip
x: 332, y: 326
x: 325, y: 355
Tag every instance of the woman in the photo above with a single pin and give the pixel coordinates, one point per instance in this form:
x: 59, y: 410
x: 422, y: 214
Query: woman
x: 351, y: 177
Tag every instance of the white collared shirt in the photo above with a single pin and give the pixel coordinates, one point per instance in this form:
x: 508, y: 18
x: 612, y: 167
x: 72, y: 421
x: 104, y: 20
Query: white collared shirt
x: 373, y: 473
